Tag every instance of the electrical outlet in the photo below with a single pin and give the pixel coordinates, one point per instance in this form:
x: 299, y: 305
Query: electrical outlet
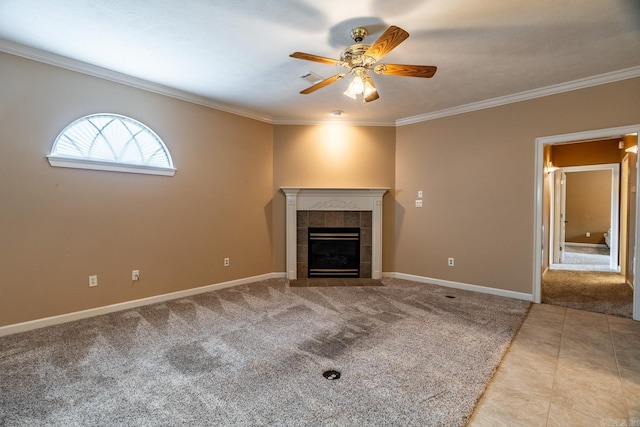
x: 420, y: 193
x: 135, y: 275
x: 450, y: 262
x: 93, y: 281
x: 418, y: 203
x: 226, y: 262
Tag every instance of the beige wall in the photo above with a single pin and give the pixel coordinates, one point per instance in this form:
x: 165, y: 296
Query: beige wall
x: 477, y: 172
x: 334, y: 156
x: 586, y: 153
x: 588, y: 206
x: 58, y: 226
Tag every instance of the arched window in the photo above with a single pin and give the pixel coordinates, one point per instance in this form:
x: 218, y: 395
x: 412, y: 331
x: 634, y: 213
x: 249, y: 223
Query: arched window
x: 113, y: 143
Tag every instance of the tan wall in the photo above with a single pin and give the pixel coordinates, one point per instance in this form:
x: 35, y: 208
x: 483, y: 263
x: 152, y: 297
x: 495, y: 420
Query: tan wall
x: 477, y: 172
x: 586, y: 153
x: 588, y: 206
x: 58, y: 226
x: 333, y: 156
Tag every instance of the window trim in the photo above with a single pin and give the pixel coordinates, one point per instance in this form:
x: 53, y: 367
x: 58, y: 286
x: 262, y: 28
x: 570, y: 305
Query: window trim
x: 102, y: 165
x: 69, y: 162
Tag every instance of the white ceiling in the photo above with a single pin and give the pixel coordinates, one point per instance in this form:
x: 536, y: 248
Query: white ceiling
x: 235, y: 53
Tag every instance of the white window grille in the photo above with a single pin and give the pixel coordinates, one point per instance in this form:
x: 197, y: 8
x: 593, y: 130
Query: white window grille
x: 113, y: 143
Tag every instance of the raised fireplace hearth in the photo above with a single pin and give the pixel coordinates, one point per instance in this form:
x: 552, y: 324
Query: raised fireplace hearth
x: 332, y: 202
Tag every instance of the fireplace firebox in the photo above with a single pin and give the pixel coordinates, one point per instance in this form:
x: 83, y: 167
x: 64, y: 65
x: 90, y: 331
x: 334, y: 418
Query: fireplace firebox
x: 334, y: 252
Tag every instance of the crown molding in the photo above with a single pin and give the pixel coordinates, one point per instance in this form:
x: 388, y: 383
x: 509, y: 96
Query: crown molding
x: 583, y: 83
x: 116, y: 77
x: 340, y: 122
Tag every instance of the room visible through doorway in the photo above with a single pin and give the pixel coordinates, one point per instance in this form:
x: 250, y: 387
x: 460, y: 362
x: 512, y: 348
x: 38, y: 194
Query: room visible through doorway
x: 544, y: 222
x: 584, y: 208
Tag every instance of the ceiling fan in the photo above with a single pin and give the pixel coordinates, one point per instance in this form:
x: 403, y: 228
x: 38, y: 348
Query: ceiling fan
x: 360, y: 58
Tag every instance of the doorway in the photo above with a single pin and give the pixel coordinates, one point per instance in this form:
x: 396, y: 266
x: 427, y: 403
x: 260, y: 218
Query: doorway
x: 584, y: 208
x: 543, y: 224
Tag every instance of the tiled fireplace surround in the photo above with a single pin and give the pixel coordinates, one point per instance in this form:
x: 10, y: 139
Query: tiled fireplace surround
x: 334, y: 207
x: 356, y: 219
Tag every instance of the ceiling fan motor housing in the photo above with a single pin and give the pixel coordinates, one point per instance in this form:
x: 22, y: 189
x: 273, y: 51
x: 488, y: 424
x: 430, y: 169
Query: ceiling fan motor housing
x: 358, y: 34
x: 354, y: 56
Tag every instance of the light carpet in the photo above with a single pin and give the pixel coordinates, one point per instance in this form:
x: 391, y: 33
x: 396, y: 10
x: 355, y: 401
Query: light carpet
x: 600, y: 292
x: 586, y: 258
x: 410, y: 354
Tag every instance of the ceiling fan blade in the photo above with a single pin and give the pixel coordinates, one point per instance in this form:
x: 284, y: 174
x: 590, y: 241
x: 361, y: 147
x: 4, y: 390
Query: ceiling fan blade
x: 405, y: 70
x: 373, y: 96
x: 387, y: 42
x: 316, y: 58
x: 323, y: 83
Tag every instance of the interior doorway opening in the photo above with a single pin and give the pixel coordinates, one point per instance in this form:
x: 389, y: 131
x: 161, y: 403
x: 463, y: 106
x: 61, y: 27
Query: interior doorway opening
x: 542, y: 219
x: 585, y: 217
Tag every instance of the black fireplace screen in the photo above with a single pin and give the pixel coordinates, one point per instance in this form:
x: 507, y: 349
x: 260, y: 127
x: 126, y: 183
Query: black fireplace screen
x: 334, y: 252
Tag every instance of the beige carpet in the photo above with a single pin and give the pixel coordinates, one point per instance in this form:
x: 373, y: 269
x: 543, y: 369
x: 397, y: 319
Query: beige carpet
x: 588, y: 290
x: 409, y: 354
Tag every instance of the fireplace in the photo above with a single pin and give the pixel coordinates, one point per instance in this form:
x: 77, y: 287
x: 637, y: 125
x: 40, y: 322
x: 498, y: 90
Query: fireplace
x: 308, y: 221
x: 333, y: 252
x: 334, y: 207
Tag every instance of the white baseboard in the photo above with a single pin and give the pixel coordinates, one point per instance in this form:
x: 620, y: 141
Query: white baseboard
x: 463, y: 286
x: 77, y: 315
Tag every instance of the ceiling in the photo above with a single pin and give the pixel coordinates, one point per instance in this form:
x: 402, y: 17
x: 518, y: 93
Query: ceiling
x: 234, y: 54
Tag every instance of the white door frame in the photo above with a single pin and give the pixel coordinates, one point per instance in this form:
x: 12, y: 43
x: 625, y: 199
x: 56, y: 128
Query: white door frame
x: 613, y: 213
x: 556, y: 226
x: 540, y: 143
x: 624, y: 214
x: 563, y: 213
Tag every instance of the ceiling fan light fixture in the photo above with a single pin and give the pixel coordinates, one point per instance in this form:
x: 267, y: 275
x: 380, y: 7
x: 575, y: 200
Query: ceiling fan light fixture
x: 355, y: 88
x: 360, y: 83
x: 368, y: 89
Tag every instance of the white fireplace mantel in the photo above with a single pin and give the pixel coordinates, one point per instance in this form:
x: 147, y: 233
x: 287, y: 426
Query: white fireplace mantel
x: 334, y: 199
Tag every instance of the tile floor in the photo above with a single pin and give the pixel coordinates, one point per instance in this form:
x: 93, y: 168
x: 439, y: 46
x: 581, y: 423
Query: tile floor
x: 566, y: 368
